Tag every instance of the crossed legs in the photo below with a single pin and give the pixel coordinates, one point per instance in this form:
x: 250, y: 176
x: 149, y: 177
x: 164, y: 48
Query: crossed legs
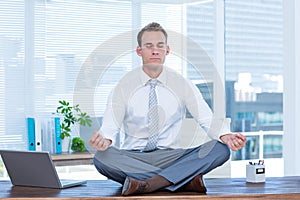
x: 170, y: 169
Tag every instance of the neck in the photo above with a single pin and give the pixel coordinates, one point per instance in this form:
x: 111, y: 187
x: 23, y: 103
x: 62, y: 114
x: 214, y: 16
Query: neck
x: 153, y: 72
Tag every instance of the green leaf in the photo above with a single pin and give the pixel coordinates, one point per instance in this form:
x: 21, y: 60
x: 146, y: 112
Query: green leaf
x: 78, y: 144
x: 71, y: 115
x: 89, y: 123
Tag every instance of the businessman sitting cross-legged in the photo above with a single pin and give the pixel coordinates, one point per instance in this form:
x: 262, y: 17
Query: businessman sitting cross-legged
x: 149, y: 103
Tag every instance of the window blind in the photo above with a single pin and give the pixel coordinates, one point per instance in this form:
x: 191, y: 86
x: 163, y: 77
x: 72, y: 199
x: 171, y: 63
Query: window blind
x: 254, y: 42
x: 12, y: 76
x: 45, y: 43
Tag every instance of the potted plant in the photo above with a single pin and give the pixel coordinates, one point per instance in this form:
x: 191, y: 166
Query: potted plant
x: 77, y: 144
x: 71, y: 117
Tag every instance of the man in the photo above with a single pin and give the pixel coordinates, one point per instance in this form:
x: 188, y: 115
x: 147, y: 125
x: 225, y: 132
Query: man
x: 149, y: 104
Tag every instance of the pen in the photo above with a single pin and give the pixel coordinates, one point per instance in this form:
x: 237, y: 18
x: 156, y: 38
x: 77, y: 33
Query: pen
x: 261, y: 162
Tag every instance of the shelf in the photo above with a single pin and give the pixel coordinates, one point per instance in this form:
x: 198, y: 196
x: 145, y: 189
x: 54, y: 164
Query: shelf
x: 68, y: 159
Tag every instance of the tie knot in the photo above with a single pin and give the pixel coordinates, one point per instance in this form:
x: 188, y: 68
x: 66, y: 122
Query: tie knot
x: 153, y: 82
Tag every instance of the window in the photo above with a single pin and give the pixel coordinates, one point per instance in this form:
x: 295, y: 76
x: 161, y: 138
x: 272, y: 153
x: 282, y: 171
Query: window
x: 254, y: 75
x: 44, y: 49
x: 50, y: 45
x: 12, y: 74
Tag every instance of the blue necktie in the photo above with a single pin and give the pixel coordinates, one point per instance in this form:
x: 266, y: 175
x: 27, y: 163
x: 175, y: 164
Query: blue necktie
x: 153, y: 117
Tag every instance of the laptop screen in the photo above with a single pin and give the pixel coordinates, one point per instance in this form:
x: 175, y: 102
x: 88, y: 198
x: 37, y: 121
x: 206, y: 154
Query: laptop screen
x: 30, y: 168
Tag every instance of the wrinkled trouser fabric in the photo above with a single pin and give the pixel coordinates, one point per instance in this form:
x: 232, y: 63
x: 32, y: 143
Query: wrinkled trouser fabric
x: 179, y: 166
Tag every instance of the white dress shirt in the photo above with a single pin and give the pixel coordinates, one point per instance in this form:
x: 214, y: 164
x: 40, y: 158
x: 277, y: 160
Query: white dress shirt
x: 127, y: 108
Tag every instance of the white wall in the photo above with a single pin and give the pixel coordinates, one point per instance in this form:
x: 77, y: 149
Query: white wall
x: 291, y: 138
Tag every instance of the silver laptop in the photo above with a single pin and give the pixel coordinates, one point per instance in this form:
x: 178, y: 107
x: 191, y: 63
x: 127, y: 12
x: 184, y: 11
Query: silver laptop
x: 36, y: 169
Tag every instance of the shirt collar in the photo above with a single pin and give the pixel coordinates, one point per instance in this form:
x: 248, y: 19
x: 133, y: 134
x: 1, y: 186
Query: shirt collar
x: 162, y: 78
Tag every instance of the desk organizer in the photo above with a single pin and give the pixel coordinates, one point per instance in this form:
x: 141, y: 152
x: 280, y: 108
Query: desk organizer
x: 255, y: 173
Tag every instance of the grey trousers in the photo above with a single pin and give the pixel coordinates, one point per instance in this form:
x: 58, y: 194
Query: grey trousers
x: 178, y: 166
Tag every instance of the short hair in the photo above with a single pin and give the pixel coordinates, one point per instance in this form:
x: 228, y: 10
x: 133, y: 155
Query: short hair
x: 151, y: 27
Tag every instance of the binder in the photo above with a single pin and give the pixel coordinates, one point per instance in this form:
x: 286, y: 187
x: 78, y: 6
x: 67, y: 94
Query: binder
x: 47, y: 132
x: 38, y: 134
x: 57, y: 131
x: 44, y: 134
x: 31, y: 133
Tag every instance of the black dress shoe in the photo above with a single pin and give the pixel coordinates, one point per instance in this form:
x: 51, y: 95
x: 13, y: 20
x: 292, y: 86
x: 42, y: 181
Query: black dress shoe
x: 195, y: 185
x: 133, y: 186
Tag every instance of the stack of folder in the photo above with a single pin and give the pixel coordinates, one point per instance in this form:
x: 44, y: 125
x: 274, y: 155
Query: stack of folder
x: 44, y: 134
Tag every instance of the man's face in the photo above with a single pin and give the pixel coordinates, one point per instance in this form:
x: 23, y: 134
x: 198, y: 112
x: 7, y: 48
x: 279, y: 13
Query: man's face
x: 153, y: 48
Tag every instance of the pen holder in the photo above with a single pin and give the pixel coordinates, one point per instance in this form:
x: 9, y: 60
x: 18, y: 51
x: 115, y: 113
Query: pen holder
x: 255, y: 173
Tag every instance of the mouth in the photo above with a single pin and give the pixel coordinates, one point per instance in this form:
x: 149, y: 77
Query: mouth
x: 155, y: 59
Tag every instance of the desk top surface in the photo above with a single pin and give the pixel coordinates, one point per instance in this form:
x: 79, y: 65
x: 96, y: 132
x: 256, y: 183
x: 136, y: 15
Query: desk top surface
x: 281, y: 187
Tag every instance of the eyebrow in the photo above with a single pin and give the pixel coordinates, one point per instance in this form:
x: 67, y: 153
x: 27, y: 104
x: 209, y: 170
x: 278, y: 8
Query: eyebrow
x: 149, y: 43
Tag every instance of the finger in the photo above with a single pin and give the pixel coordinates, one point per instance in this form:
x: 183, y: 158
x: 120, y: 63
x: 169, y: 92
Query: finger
x: 95, y: 136
x: 100, y: 142
x: 241, y: 137
x: 233, y: 147
x: 92, y: 141
x: 236, y: 144
x: 231, y: 144
x: 242, y: 141
x: 103, y: 146
x: 239, y: 141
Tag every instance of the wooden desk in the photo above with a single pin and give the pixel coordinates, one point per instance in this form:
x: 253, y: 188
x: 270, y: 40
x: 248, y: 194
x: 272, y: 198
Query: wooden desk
x: 217, y: 188
x: 69, y: 159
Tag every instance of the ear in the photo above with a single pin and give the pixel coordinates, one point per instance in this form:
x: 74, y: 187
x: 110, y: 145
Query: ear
x: 167, y: 50
x: 138, y: 50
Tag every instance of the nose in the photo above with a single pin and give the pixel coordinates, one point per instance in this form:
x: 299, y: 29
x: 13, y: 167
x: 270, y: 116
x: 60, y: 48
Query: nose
x: 155, y: 51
